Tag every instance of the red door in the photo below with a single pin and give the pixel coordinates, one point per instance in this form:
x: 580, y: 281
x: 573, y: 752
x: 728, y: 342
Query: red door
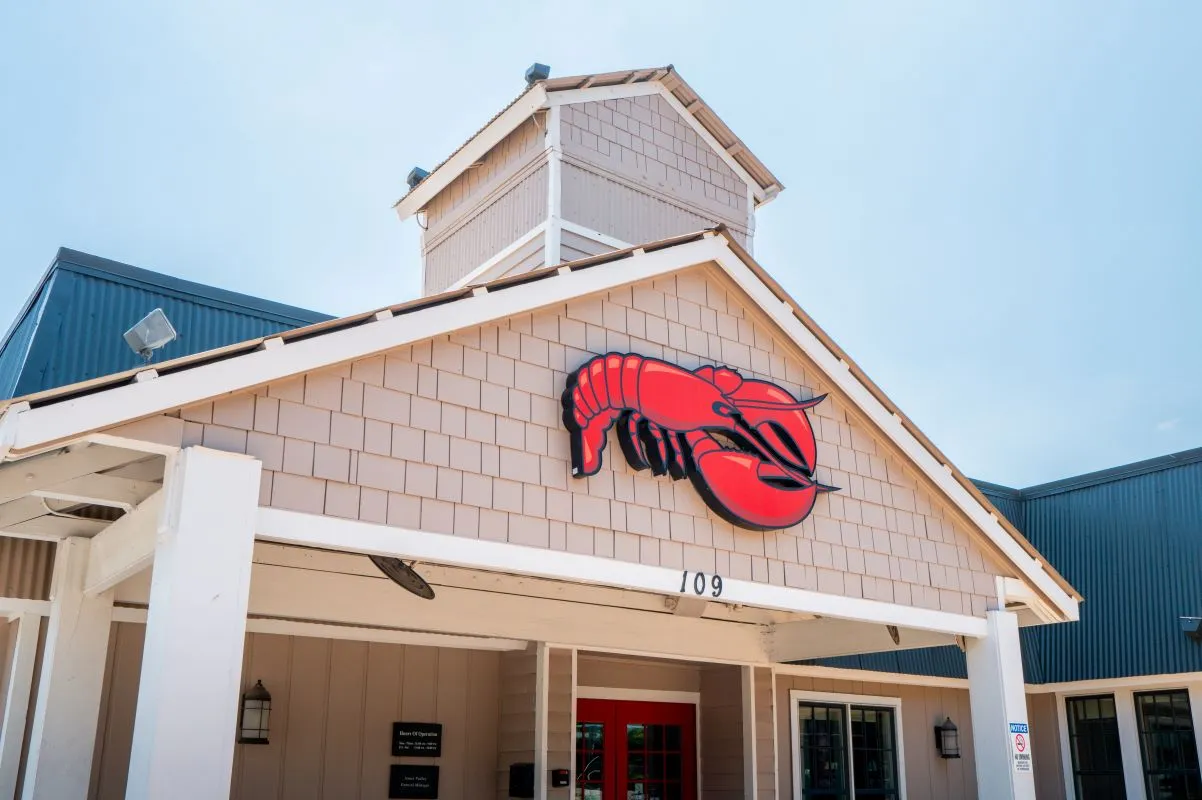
x: 629, y: 750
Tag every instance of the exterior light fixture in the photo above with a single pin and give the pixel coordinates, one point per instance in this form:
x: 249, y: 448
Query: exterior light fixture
x: 256, y: 715
x: 947, y: 739
x: 150, y: 333
x: 1192, y: 627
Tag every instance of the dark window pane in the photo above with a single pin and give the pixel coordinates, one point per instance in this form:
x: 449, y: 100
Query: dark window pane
x: 1094, y: 744
x: 1167, y: 746
x: 635, y: 737
x: 655, y: 737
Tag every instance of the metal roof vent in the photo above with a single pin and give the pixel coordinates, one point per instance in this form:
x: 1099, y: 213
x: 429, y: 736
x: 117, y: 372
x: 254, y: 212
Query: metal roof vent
x: 416, y: 176
x: 152, y: 332
x: 537, y: 72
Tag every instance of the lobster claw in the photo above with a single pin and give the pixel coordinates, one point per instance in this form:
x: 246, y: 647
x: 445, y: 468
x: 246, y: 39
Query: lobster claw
x: 748, y: 491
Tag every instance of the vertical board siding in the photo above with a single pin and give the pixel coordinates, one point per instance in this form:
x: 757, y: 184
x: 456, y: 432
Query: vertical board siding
x: 573, y: 246
x: 531, y: 255
x: 561, y: 738
x: 26, y: 566
x: 922, y: 708
x: 333, y: 705
x: 721, y: 733
x: 645, y: 140
x: 516, y: 732
x: 1045, y: 745
x: 765, y: 735
x: 608, y: 205
x: 510, y: 156
x: 452, y: 256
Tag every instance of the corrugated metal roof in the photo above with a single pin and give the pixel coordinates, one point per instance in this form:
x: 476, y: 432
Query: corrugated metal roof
x: 90, y: 302
x: 1128, y: 538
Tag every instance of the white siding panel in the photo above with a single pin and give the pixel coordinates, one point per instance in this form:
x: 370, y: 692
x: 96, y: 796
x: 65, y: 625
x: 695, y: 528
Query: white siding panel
x: 611, y: 206
x: 485, y: 234
x: 573, y: 246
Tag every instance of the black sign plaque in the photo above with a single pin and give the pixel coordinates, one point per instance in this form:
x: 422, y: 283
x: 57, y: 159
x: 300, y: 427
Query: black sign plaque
x: 413, y: 782
x: 421, y: 739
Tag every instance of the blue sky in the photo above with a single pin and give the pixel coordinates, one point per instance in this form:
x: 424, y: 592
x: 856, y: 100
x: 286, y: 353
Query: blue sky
x: 996, y: 208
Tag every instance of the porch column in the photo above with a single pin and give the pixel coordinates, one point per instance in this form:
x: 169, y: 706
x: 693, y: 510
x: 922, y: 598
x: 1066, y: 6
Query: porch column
x: 998, y: 700
x: 16, y: 704
x: 63, y: 735
x: 188, y: 696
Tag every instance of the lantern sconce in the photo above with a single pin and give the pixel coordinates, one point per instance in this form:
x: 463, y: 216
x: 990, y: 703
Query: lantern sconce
x: 255, y: 721
x: 947, y: 739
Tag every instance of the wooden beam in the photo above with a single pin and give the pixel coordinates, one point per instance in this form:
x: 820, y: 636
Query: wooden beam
x: 40, y: 472
x: 101, y: 490
x: 55, y: 528
x: 824, y: 638
x: 124, y: 548
x: 22, y: 510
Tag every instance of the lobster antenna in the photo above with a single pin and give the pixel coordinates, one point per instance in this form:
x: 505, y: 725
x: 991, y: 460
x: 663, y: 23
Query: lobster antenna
x: 767, y: 405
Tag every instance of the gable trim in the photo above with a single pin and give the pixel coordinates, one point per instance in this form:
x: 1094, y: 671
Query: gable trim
x: 46, y: 426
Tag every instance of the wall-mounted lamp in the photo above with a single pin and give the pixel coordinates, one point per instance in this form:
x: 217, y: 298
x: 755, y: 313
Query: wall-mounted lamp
x: 947, y: 739
x: 1192, y: 627
x: 255, y: 721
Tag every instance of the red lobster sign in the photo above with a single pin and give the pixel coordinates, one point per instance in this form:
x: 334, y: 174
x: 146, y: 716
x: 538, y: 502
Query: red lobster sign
x: 746, y: 445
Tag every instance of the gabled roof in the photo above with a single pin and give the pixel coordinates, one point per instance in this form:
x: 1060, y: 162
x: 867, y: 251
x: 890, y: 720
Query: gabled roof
x: 91, y: 301
x: 43, y: 421
x: 604, y: 85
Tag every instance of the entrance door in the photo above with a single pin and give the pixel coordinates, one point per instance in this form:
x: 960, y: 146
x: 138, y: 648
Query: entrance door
x: 628, y: 750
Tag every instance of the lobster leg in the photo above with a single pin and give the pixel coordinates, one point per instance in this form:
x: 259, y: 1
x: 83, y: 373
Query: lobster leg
x: 628, y: 438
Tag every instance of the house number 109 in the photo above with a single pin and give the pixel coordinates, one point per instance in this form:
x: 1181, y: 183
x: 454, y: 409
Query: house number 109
x: 701, y: 583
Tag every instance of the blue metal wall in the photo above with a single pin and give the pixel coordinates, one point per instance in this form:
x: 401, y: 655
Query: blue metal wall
x: 1133, y: 547
x: 1130, y: 540
x: 87, y: 303
x: 16, y: 344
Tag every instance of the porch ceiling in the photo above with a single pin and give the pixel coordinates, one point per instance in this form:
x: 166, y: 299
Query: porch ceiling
x: 76, y: 491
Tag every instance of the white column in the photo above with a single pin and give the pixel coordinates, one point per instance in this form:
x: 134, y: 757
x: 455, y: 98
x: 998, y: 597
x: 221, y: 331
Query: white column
x: 63, y: 735
x: 997, y: 697
x: 187, y: 714
x: 1133, y: 765
x: 542, y: 701
x: 16, y: 704
x: 750, y: 767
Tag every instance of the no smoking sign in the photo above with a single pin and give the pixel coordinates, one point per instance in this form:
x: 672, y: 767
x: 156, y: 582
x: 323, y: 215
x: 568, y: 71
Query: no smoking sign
x: 1019, y: 746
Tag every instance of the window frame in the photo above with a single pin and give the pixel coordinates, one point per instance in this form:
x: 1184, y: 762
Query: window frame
x: 1139, y: 730
x: 1073, y: 771
x: 797, y: 697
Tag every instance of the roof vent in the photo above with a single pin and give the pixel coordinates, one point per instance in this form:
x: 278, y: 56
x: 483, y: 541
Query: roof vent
x: 416, y: 176
x: 537, y: 72
x: 150, y: 333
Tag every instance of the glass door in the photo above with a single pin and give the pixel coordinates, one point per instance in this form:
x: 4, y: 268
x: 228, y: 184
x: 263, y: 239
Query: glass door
x: 1167, y: 745
x: 629, y: 750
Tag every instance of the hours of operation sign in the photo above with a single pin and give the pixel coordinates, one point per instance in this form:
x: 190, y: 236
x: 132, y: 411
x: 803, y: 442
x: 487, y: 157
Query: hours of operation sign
x: 1020, y: 746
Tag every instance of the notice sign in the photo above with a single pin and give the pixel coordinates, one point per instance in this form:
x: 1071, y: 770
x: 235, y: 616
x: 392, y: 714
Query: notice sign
x: 421, y: 739
x: 1020, y: 746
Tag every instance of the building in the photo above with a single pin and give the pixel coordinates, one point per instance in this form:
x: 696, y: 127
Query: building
x: 665, y: 631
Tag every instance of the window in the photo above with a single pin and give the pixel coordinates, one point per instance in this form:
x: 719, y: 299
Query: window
x: 1093, y: 734
x: 1166, y: 741
x: 846, y: 748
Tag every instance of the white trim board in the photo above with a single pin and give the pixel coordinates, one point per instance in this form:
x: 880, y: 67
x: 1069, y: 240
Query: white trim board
x: 72, y: 418
x: 870, y: 676
x: 331, y: 533
x: 1178, y: 680
x: 797, y: 696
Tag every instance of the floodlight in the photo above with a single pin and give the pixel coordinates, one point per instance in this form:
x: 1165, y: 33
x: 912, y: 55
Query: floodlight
x: 150, y: 333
